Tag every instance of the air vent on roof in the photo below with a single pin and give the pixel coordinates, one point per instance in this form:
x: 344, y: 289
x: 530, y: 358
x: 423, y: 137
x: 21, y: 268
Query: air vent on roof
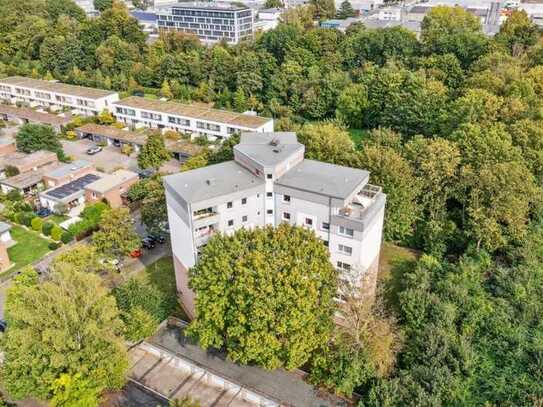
x: 210, y: 181
x: 274, y: 142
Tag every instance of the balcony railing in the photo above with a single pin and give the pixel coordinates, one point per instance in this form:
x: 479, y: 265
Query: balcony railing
x: 361, y: 202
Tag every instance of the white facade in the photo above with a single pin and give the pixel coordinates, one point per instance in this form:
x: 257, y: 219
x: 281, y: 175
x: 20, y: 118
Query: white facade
x: 196, y: 121
x: 254, y: 191
x: 211, y: 22
x: 56, y: 96
x: 390, y: 14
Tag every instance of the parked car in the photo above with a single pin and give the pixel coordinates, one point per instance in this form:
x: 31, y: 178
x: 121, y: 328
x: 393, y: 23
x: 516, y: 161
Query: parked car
x: 147, y: 243
x: 157, y: 238
x: 136, y: 253
x: 146, y: 173
x: 3, y: 325
x: 44, y: 212
x: 94, y: 150
x: 117, y: 143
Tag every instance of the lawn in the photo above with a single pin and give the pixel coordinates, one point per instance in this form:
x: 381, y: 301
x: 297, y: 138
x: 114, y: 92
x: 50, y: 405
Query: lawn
x: 58, y: 219
x: 394, y: 262
x: 161, y: 274
x: 29, y: 248
x: 358, y: 136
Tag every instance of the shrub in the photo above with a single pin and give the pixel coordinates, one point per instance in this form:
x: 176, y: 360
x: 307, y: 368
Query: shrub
x: 56, y: 233
x: 140, y: 293
x: 53, y: 246
x: 14, y: 195
x: 71, y: 135
x: 37, y: 224
x: 46, y: 228
x: 25, y: 218
x: 139, y: 324
x: 66, y: 237
x: 127, y: 149
x: 11, y: 171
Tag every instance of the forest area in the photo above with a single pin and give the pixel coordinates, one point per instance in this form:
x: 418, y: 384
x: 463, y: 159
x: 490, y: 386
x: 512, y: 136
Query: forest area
x: 452, y: 129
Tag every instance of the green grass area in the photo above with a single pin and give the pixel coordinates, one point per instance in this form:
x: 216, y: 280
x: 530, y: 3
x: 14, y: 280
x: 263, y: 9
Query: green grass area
x: 29, y: 248
x: 150, y: 96
x: 161, y: 274
x: 358, y: 136
x: 394, y: 263
x: 58, y: 219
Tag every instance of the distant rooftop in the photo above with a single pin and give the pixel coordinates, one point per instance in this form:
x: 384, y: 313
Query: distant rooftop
x: 58, y: 87
x: 204, y: 5
x: 109, y: 182
x: 268, y: 149
x: 36, y: 159
x: 196, y: 111
x: 114, y: 133
x: 33, y: 115
x: 322, y: 178
x: 212, y: 181
x: 29, y: 178
x: 68, y: 169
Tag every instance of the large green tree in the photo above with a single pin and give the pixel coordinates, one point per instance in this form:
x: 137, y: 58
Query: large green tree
x: 264, y: 295
x: 34, y: 137
x: 154, y: 153
x: 65, y: 325
x: 117, y: 236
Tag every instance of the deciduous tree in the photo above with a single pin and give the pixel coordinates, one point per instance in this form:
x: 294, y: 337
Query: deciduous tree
x: 117, y: 236
x: 34, y: 137
x: 154, y: 153
x: 234, y: 280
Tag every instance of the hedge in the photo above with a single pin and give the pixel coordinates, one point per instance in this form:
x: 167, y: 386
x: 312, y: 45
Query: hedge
x: 47, y: 227
x: 37, y: 224
x: 66, y: 237
x: 53, y: 246
x: 56, y: 233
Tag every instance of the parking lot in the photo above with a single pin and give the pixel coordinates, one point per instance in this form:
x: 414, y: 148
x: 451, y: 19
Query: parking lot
x: 110, y: 158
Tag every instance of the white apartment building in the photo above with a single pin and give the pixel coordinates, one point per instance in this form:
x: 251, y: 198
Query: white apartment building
x: 211, y: 22
x: 194, y: 119
x: 267, y: 183
x: 56, y: 96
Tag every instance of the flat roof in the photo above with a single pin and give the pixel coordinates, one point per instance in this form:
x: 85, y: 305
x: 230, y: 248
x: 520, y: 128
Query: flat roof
x: 195, y: 111
x: 212, y: 181
x: 222, y: 6
x: 285, y: 387
x: 58, y: 87
x: 32, y: 115
x: 111, y: 181
x: 72, y: 187
x: 27, y: 179
x: 184, y: 147
x: 322, y: 178
x: 114, y: 133
x: 67, y: 169
x: 38, y: 158
x: 269, y: 149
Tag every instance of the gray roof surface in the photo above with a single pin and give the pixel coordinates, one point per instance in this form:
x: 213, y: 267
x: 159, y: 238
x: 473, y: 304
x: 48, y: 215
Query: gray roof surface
x: 259, y: 147
x: 75, y: 187
x: 67, y: 169
x: 4, y: 227
x: 323, y: 178
x: 288, y: 388
x: 212, y: 181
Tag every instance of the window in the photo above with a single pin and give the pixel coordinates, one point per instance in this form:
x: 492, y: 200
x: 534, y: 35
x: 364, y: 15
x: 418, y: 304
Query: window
x: 343, y: 266
x: 269, y: 176
x: 269, y: 211
x: 286, y: 216
x: 244, y: 218
x: 325, y: 226
x: 229, y: 205
x: 269, y: 194
x: 243, y: 201
x: 286, y: 198
x: 346, y: 231
x: 308, y: 222
x: 231, y: 222
x: 325, y: 242
x: 346, y: 250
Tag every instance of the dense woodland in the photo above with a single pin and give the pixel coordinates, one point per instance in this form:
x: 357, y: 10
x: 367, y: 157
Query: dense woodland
x: 452, y: 128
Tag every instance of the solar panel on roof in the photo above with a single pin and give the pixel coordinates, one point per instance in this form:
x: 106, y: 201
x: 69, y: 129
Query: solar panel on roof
x: 72, y: 187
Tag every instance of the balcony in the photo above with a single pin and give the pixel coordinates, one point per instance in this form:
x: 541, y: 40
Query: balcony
x: 204, y: 234
x: 363, y: 206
